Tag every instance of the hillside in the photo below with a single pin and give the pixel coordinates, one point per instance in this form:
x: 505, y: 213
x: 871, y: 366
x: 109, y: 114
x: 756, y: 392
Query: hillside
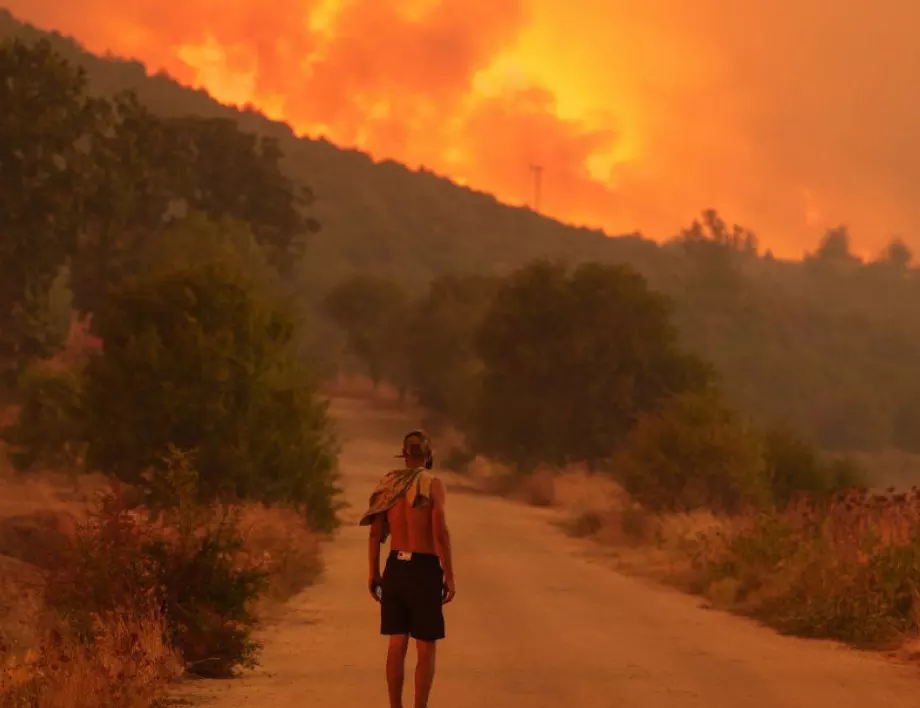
x: 374, y: 215
x: 829, y: 345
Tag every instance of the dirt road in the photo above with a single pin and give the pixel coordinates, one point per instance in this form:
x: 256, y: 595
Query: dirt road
x: 537, y: 623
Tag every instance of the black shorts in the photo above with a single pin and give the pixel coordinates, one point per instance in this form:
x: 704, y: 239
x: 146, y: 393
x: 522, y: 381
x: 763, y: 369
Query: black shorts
x: 411, y: 602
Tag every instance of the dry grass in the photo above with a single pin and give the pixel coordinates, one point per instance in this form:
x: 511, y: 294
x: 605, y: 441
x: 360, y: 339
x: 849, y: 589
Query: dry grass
x: 127, y: 665
x: 21, y: 589
x: 280, y: 542
x: 846, y: 569
x: 36, y: 511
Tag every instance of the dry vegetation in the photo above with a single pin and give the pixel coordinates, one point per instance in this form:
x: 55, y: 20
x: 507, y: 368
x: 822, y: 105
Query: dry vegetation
x: 78, y: 623
x: 847, y: 568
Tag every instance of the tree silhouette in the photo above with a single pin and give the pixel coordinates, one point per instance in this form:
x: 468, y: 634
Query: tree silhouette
x: 45, y: 116
x: 571, y: 359
x: 198, y: 359
x: 371, y: 312
x: 442, y: 366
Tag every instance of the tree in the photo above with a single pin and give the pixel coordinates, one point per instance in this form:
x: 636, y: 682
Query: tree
x: 200, y: 360
x: 149, y: 171
x: 693, y: 453
x: 714, y: 230
x: 897, y: 256
x: 713, y: 252
x: 442, y: 366
x: 570, y: 360
x: 239, y: 175
x: 371, y: 311
x: 45, y: 115
x: 141, y: 171
x: 834, y: 253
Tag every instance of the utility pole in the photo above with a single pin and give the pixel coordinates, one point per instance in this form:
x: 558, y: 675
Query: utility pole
x: 537, y: 178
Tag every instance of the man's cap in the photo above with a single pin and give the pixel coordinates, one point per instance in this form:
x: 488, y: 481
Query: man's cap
x: 416, y: 444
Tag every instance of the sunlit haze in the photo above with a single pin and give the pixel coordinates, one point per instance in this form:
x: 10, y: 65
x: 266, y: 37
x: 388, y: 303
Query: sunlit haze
x: 786, y: 115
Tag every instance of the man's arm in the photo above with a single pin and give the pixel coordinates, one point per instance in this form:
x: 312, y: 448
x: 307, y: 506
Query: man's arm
x: 442, y: 536
x: 375, y: 539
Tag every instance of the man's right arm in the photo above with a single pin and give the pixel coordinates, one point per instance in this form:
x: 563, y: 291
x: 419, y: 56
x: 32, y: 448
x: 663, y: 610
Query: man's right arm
x: 442, y: 536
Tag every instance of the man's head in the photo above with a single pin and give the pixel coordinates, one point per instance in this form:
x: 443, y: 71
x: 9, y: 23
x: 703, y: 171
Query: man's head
x: 417, y: 450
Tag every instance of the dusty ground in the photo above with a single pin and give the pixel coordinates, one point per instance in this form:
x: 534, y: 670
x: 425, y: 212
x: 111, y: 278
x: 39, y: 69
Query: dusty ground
x: 538, y: 623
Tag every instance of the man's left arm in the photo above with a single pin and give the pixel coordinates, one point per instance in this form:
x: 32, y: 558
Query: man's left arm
x: 374, y: 541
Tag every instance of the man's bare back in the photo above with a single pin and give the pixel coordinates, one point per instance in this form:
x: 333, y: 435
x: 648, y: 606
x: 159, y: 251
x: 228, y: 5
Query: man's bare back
x: 412, y: 528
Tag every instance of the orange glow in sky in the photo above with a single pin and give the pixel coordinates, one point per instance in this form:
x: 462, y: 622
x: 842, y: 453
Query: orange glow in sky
x: 789, y: 116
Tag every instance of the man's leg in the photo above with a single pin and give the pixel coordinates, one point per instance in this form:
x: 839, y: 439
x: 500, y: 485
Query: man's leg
x: 424, y: 672
x: 396, y: 668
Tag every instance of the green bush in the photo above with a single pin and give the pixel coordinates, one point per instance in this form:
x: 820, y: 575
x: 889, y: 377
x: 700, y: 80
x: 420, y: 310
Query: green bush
x: 49, y: 429
x: 203, y: 359
x: 188, y: 565
x: 693, y: 453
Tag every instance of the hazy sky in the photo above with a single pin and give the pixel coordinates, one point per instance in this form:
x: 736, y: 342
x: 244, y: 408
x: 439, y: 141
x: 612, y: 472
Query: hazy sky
x: 786, y: 115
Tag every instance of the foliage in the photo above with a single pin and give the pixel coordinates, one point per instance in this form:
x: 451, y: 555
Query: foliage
x: 570, y: 360
x: 187, y: 565
x: 795, y: 467
x: 769, y: 326
x: 693, y: 453
x: 441, y: 364
x: 238, y: 175
x: 199, y: 359
x: 95, y: 179
x: 45, y: 115
x: 843, y: 568
x: 48, y: 429
x: 370, y: 310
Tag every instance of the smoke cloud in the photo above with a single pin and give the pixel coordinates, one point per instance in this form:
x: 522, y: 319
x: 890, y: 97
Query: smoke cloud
x: 788, y: 116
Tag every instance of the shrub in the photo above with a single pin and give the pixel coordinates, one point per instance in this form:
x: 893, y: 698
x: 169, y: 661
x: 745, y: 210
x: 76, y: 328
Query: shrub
x: 279, y: 542
x: 846, y: 568
x: 693, y: 453
x: 186, y: 565
x: 127, y: 664
x: 201, y: 358
x: 48, y: 430
x: 794, y: 467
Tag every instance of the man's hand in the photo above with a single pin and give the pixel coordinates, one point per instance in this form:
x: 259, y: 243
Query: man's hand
x: 448, y: 591
x: 375, y: 585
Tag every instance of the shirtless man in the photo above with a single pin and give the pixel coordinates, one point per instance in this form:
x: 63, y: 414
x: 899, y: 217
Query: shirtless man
x: 419, y: 576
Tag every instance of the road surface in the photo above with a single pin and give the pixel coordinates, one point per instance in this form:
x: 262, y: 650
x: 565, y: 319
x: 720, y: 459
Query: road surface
x: 537, y: 624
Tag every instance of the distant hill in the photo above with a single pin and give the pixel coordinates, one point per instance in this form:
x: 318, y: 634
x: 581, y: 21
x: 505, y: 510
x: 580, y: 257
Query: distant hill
x: 382, y: 215
x: 830, y: 345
